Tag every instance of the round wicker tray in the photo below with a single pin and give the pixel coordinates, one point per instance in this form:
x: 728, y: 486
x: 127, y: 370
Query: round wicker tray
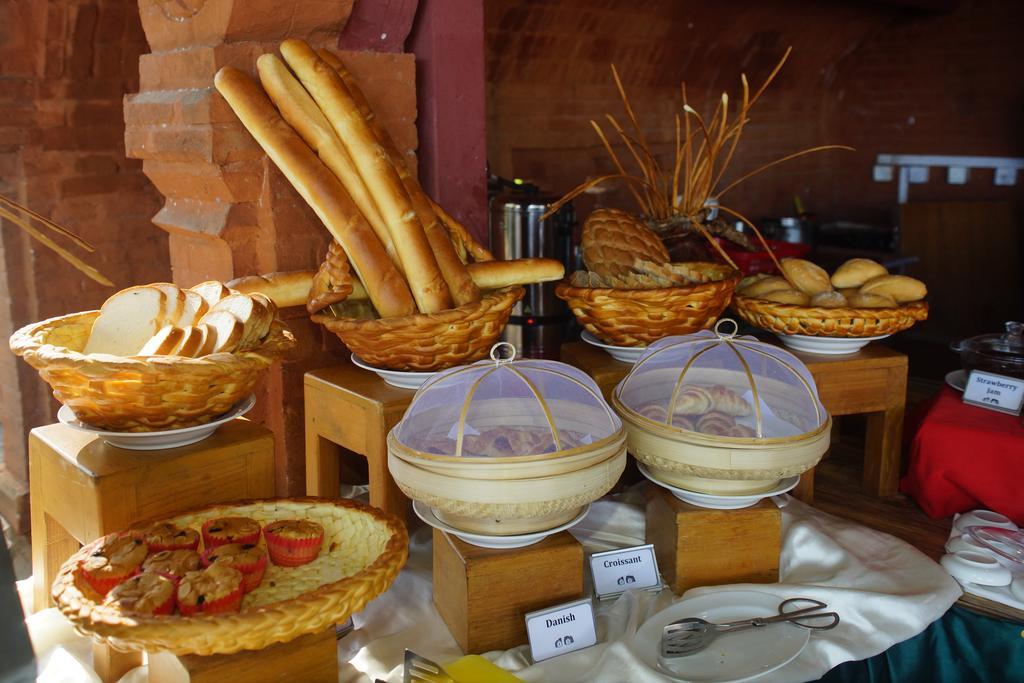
x: 428, y: 342
x: 363, y: 551
x: 141, y: 394
x: 637, y: 317
x: 828, y: 322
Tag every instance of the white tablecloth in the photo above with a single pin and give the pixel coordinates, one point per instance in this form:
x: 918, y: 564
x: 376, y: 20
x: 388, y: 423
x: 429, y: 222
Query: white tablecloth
x: 885, y: 590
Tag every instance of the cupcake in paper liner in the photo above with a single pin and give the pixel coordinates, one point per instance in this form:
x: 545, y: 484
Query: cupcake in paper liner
x: 112, y: 562
x: 168, y: 536
x: 248, y: 558
x: 293, y: 542
x: 224, y: 530
x: 214, y: 590
x: 146, y: 593
x: 173, y: 564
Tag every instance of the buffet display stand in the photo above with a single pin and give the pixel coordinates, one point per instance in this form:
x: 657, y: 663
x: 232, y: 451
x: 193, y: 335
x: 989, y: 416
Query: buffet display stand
x: 350, y: 411
x: 872, y: 381
x: 484, y: 594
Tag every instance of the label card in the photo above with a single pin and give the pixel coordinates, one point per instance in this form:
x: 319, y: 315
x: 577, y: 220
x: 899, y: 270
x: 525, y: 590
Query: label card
x: 616, y: 571
x: 1005, y: 394
x: 564, y: 628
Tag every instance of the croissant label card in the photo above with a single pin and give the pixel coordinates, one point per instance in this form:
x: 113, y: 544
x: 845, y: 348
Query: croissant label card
x: 616, y: 571
x: 564, y: 628
x: 1005, y: 394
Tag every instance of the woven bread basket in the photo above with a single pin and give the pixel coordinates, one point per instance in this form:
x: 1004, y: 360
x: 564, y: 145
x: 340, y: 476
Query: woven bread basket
x: 363, y: 551
x: 637, y: 317
x: 141, y: 394
x: 828, y: 322
x: 420, y: 342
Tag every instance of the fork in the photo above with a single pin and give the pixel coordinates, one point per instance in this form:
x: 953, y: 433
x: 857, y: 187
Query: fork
x: 689, y: 636
x: 419, y: 669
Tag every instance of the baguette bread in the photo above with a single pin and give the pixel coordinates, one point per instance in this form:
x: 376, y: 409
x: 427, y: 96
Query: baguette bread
x: 284, y: 289
x: 388, y: 291
x: 328, y: 90
x: 460, y: 284
x: 302, y: 113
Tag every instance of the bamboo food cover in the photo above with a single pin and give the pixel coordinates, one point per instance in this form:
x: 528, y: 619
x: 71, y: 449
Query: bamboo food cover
x: 506, y: 447
x: 717, y: 413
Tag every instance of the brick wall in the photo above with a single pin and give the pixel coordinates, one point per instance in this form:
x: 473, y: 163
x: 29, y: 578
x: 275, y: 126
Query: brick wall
x: 65, y: 65
x: 880, y: 77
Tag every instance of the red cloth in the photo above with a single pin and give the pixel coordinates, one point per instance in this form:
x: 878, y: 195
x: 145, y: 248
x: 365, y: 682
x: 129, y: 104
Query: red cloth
x: 963, y: 457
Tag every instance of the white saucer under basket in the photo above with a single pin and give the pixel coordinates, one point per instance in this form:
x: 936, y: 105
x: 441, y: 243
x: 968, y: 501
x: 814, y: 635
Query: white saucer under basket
x: 403, y: 379
x: 721, y: 502
x: 154, y: 441
x: 626, y: 354
x: 427, y: 514
x: 827, y: 346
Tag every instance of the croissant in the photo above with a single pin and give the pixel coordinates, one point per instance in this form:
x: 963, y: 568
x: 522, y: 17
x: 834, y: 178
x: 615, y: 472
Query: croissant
x: 716, y: 423
x: 653, y: 411
x: 684, y: 422
x: 693, y: 400
x: 727, y: 401
x: 743, y: 431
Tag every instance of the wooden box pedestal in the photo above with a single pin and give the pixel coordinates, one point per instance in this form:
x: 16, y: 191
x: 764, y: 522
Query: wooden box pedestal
x: 484, y: 595
x: 700, y: 547
x: 310, y: 659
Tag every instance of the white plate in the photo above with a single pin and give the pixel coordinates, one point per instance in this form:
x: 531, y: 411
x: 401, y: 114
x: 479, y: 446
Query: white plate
x: 957, y: 379
x: 626, y: 354
x: 426, y: 513
x: 732, y: 657
x: 403, y: 379
x: 153, y: 441
x: 827, y: 346
x: 721, y: 502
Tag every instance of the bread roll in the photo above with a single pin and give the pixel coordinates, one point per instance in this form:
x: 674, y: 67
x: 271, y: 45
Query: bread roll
x: 899, y: 287
x: 849, y: 291
x: 862, y: 300
x: 460, y: 284
x: 429, y: 288
x: 767, y: 284
x: 302, y: 113
x: 856, y: 272
x: 787, y: 296
x: 828, y: 300
x: 321, y: 190
x: 808, y: 277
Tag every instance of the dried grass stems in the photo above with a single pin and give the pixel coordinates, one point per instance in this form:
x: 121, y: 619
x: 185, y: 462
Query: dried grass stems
x: 24, y: 217
x: 703, y: 151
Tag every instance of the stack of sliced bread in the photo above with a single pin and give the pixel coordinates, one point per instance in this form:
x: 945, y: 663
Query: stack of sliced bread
x: 161, y: 319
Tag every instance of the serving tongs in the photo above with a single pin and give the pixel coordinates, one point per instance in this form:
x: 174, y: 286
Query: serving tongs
x: 691, y: 635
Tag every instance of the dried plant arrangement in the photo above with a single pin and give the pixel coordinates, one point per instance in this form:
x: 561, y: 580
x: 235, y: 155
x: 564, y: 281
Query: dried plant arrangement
x: 24, y: 218
x: 677, y: 198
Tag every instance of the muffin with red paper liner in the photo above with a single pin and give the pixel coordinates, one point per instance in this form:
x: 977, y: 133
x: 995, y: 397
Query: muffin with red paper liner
x: 113, y: 562
x: 146, y: 593
x: 214, y: 590
x: 293, y: 542
x: 167, y: 536
x: 224, y: 530
x: 173, y: 564
x: 248, y: 558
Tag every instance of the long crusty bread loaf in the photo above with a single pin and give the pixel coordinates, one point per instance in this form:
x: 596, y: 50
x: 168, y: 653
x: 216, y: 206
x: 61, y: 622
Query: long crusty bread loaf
x: 388, y: 291
x: 302, y: 113
x: 330, y: 93
x: 461, y: 285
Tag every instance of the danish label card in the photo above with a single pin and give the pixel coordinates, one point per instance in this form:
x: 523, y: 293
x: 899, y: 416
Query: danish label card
x: 616, y: 571
x: 564, y: 628
x: 1005, y: 394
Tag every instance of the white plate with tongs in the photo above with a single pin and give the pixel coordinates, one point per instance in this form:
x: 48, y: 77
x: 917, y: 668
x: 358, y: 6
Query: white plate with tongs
x: 729, y: 636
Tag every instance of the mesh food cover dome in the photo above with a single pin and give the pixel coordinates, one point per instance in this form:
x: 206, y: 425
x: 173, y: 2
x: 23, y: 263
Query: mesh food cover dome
x: 507, y: 409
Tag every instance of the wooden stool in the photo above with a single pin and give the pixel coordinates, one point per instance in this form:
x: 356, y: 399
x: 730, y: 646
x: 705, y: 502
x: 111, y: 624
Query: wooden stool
x: 484, y: 595
x: 871, y: 381
x: 350, y: 410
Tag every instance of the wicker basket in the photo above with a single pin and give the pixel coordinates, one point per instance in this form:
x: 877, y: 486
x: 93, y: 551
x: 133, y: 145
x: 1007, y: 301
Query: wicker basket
x: 637, y: 317
x: 828, y: 322
x: 141, y: 394
x: 363, y: 551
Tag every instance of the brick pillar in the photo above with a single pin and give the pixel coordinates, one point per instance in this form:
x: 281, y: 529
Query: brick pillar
x: 65, y: 65
x: 227, y: 209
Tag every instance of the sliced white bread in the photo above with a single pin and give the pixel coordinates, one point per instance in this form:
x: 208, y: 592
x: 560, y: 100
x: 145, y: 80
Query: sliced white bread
x: 195, y: 308
x: 127, y: 321
x: 190, y: 343
x: 175, y: 301
x: 227, y: 330
x: 268, y: 320
x: 163, y: 342
x: 254, y: 315
x: 212, y: 291
x: 209, y: 340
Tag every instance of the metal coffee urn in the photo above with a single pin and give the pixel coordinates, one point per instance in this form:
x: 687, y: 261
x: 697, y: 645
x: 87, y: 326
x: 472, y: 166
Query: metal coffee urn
x: 541, y: 321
